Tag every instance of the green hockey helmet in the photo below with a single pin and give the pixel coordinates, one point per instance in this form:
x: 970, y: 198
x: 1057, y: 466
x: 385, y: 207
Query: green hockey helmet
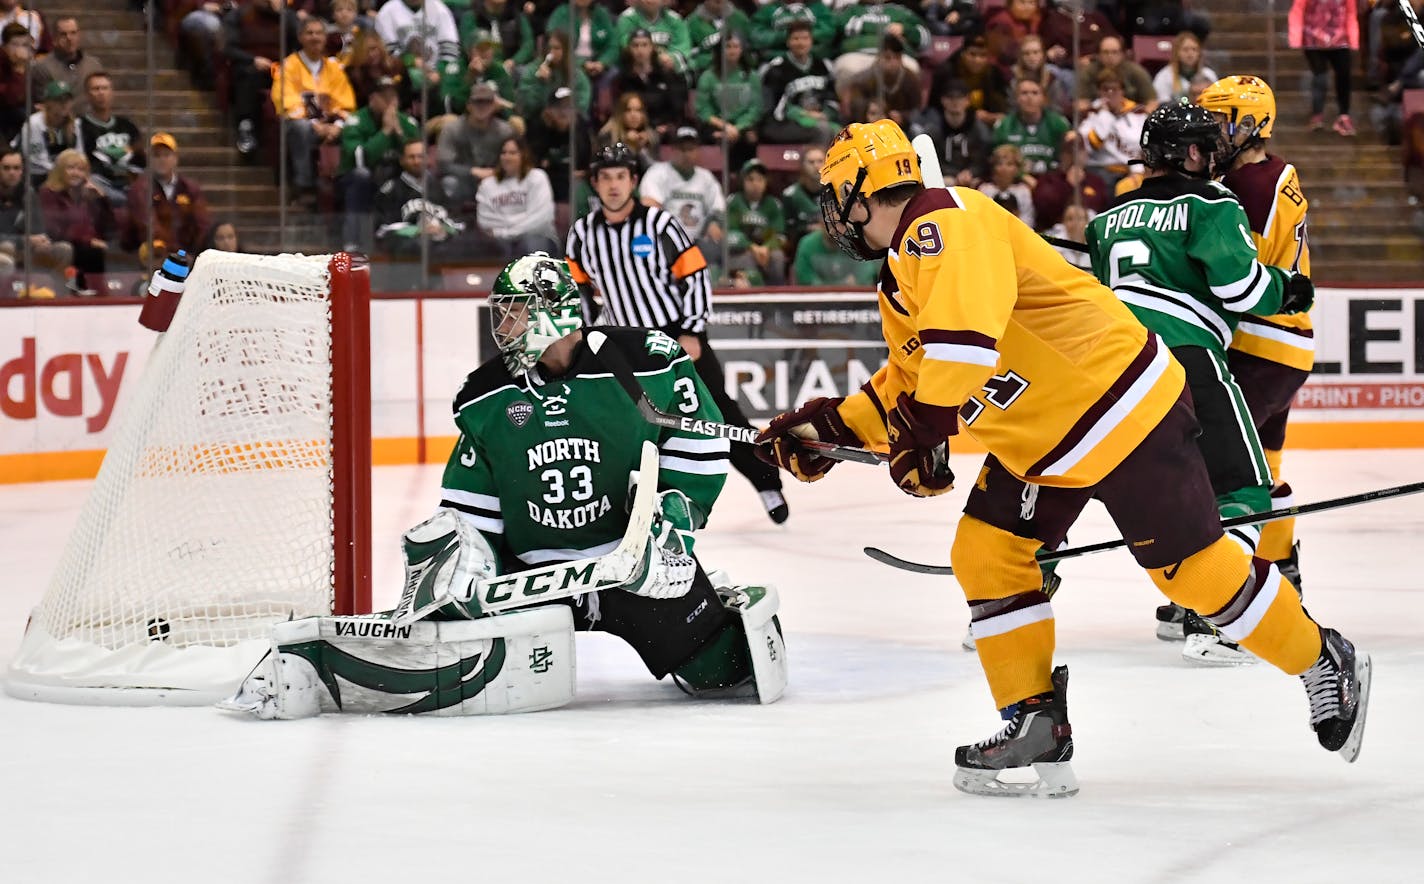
x: 534, y: 302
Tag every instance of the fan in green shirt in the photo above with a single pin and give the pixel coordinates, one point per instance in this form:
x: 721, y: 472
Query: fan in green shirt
x: 728, y: 100
x: 483, y: 67
x: 819, y: 261
x: 705, y: 27
x: 602, y: 33
x: 769, y: 27
x: 541, y: 78
x: 756, y: 239
x: 666, y: 28
x: 1037, y: 132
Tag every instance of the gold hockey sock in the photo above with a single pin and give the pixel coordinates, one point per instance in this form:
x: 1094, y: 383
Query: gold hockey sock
x: 1011, y: 618
x: 1248, y: 600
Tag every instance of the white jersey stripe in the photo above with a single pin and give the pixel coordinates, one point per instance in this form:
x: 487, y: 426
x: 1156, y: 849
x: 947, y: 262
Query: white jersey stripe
x: 1114, y: 415
x: 1002, y: 623
x: 962, y: 353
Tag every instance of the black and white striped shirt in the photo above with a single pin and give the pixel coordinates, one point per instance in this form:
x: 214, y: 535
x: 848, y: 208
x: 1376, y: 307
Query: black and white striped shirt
x: 650, y: 272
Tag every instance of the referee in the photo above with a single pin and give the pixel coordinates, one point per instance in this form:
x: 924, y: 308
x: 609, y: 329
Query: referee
x: 652, y: 275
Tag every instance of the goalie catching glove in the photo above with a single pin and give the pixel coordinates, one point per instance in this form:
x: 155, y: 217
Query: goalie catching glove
x: 668, y: 566
x: 817, y: 420
x: 919, y: 446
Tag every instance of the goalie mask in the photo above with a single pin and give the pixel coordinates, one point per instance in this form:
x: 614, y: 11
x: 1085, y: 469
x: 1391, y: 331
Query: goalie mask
x: 534, y: 303
x: 865, y: 159
x: 1170, y: 131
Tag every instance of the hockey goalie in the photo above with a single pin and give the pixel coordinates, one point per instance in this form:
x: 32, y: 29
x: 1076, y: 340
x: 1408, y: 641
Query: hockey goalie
x: 561, y: 510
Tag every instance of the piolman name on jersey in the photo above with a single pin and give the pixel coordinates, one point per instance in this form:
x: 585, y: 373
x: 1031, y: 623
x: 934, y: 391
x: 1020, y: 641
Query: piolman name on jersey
x: 1164, y: 218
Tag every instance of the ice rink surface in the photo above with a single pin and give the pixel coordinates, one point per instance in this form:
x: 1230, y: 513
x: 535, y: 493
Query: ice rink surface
x: 1187, y: 774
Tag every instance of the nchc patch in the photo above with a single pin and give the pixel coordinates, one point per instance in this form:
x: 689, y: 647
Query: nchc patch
x: 519, y: 413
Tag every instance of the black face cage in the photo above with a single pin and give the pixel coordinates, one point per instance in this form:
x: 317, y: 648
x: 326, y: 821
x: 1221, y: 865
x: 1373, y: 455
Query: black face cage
x: 848, y: 235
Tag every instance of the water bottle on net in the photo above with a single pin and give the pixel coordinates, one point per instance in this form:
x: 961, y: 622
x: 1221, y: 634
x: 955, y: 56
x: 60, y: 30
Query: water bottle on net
x: 165, y: 289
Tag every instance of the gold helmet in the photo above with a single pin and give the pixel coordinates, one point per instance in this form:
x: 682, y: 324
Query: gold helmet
x: 864, y: 159
x: 1241, y: 98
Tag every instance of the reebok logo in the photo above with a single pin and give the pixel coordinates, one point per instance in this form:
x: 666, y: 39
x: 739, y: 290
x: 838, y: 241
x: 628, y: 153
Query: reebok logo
x: 59, y: 385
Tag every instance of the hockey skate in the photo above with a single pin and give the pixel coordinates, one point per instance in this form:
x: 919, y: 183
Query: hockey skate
x: 1338, y: 687
x: 1207, y: 647
x: 1037, y: 740
x: 1169, y: 622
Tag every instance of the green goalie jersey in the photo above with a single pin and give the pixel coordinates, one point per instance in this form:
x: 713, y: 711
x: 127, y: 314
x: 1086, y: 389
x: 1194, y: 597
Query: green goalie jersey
x: 1178, y: 252
x: 543, y: 472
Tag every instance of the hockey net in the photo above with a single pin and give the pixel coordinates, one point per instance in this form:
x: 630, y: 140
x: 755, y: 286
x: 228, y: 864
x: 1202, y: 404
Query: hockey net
x: 235, y: 492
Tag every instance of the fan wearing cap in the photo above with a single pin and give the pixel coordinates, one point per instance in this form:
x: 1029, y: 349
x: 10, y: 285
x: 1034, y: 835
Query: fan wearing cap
x: 508, y: 22
x: 483, y: 67
x: 689, y: 193
x: 964, y: 140
x: 756, y: 231
x: 371, y: 144
x: 50, y: 130
x: 987, y: 85
x: 663, y: 89
x: 167, y: 211
x: 468, y: 148
x: 550, y: 135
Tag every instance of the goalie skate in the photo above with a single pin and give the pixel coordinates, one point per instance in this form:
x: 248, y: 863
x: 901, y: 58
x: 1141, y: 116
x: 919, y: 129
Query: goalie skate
x: 1030, y: 757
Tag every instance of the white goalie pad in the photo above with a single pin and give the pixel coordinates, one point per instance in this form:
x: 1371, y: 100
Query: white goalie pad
x: 516, y: 662
x: 757, y: 606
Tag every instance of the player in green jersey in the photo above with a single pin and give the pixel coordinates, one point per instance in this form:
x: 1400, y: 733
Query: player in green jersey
x: 535, y: 503
x: 1178, y: 251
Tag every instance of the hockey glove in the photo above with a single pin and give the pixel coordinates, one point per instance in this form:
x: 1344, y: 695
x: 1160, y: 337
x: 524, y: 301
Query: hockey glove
x: 919, y: 446
x: 1299, y: 295
x: 818, y: 420
x: 668, y: 566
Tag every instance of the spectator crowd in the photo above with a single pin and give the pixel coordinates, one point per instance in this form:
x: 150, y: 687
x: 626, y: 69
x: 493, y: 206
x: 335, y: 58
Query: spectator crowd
x: 462, y: 130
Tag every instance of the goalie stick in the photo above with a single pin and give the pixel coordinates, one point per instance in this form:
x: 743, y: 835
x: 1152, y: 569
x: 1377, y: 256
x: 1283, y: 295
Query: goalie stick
x: 623, y: 373
x: 568, y: 579
x: 1304, y: 509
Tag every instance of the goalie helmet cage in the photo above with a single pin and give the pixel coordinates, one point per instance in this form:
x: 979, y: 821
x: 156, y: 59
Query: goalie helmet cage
x: 235, y: 493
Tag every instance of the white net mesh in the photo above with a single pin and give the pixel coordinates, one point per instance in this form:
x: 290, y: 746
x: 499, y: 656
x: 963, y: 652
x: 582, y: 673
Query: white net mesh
x: 211, y: 517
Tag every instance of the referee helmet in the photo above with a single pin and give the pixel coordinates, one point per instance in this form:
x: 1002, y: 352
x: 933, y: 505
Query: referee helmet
x: 618, y: 155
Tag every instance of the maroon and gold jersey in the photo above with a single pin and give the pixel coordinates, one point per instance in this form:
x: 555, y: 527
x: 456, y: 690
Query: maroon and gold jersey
x: 1049, y: 371
x: 1270, y: 193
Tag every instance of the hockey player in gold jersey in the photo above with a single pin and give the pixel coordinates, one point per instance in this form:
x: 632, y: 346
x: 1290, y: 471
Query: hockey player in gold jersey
x: 1270, y: 356
x: 991, y: 332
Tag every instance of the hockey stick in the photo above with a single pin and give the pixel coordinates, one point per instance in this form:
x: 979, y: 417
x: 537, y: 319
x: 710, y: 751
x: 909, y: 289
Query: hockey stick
x: 1319, y: 506
x: 1414, y: 27
x: 933, y: 176
x: 567, y: 579
x: 623, y: 373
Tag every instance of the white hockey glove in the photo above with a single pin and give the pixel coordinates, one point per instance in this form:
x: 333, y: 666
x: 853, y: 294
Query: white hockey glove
x: 668, y: 566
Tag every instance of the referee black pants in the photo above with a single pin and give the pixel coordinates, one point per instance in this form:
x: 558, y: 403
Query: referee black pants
x: 763, y: 477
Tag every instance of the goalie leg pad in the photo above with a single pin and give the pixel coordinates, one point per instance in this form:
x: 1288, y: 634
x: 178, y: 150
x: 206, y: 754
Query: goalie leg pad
x: 517, y: 662
x: 748, y: 657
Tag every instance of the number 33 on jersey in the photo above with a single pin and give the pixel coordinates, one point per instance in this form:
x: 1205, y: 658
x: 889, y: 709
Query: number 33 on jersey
x: 981, y: 314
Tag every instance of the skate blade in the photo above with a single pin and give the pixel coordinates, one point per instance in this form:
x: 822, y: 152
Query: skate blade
x: 1207, y: 650
x: 968, y: 642
x: 1170, y: 632
x: 1054, y: 780
x: 1351, y: 750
